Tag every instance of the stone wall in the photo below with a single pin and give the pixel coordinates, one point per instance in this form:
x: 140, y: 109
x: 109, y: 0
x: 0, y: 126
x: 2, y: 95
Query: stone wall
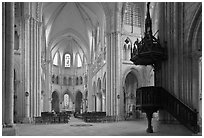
x: 179, y: 73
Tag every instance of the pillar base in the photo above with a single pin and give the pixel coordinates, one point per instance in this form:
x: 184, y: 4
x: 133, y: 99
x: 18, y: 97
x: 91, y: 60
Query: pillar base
x: 8, y: 125
x: 27, y: 120
x: 149, y: 130
x: 9, y: 131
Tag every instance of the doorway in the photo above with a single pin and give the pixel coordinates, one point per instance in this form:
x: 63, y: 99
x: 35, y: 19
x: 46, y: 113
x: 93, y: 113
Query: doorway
x: 129, y: 95
x: 78, y: 102
x: 55, y: 101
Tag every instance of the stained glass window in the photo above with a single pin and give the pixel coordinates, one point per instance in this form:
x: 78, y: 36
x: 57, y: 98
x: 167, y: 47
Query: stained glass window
x: 66, y: 100
x: 132, y: 15
x: 55, y: 61
x: 67, y: 60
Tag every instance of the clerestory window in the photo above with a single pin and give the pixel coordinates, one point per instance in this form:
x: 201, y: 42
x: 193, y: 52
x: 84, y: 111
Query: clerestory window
x: 67, y: 60
x: 132, y: 14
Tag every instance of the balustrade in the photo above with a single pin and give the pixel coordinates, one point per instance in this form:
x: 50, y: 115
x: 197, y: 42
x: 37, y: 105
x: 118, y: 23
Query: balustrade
x: 150, y: 99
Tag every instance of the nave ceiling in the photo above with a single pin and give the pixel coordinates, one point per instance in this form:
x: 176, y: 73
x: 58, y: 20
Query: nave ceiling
x: 71, y: 22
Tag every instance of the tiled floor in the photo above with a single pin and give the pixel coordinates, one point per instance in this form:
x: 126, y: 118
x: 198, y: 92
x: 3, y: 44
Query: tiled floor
x: 121, y: 128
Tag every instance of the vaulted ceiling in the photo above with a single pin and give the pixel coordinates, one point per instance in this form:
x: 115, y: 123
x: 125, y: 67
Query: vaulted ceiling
x: 70, y: 22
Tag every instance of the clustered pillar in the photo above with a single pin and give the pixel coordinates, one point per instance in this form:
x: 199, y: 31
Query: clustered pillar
x: 31, y: 40
x: 8, y: 13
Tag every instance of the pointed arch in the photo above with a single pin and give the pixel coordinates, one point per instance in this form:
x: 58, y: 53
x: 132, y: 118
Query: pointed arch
x: 104, y: 93
x: 65, y: 80
x: 69, y: 32
x: 55, y: 101
x: 127, y: 43
x: 194, y: 42
x: 195, y: 26
x: 67, y: 60
x: 78, y: 60
x: 135, y: 71
x: 94, y: 97
x: 67, y: 91
x: 78, y: 102
x: 56, y: 59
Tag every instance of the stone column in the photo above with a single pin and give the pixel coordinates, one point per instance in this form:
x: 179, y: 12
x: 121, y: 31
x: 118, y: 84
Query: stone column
x: 27, y: 67
x: 27, y: 105
x: 108, y: 83
x: 39, y: 67
x: 114, y: 61
x: 162, y: 74
x: 118, y: 58
x: 47, y: 83
x: 112, y: 72
x: 34, y: 68
x: 176, y: 49
x: 195, y: 81
x: 9, y: 74
x: 49, y: 74
x: 31, y: 67
x: 3, y: 62
x: 90, y: 88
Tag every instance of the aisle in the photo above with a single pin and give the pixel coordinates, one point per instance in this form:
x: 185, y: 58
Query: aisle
x: 76, y: 127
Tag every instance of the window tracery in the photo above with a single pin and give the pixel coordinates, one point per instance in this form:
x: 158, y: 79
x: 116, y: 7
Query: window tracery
x: 132, y: 15
x: 66, y: 101
x: 127, y: 47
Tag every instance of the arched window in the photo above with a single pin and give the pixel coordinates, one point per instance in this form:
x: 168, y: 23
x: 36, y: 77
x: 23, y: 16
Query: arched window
x: 127, y: 43
x: 67, y: 60
x: 57, y: 80
x: 127, y: 48
x: 70, y: 81
x: 77, y: 80
x: 79, y: 62
x: 53, y: 78
x: 81, y: 80
x: 132, y: 14
x: 66, y: 100
x: 65, y: 81
x: 55, y: 60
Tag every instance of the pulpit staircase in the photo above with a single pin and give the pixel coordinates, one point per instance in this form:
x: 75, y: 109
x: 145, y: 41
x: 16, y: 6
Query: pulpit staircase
x: 151, y: 99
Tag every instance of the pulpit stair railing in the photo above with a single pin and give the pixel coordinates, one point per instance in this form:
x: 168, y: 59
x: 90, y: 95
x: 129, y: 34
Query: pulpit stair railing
x: 183, y: 113
x: 151, y: 99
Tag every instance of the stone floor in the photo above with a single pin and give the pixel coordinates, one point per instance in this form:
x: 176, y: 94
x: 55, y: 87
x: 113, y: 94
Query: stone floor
x: 77, y: 127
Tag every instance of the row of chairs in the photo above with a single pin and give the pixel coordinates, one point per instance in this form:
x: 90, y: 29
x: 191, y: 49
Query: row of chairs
x: 50, y: 117
x: 97, y: 117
